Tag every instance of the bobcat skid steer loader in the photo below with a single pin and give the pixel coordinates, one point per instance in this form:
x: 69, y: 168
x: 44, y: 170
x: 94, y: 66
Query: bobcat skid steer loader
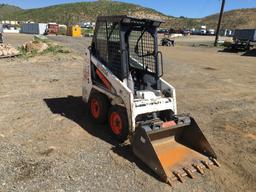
x: 122, y: 85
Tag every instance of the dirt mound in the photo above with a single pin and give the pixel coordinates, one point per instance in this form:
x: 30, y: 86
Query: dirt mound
x: 7, y: 50
x: 37, y: 46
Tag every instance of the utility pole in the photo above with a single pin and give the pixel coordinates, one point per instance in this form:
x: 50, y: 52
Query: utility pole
x: 219, y: 23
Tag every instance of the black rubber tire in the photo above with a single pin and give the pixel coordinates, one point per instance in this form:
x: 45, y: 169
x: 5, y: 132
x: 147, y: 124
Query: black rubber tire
x: 123, y: 135
x: 103, y: 105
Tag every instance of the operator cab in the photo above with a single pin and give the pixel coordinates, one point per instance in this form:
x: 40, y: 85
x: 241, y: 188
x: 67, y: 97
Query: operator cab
x: 128, y: 47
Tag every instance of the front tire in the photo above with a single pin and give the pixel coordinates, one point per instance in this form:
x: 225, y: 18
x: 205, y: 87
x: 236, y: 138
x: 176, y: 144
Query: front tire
x: 118, y: 123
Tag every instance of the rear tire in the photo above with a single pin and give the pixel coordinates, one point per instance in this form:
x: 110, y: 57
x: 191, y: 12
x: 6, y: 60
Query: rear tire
x: 118, y: 123
x: 98, y: 106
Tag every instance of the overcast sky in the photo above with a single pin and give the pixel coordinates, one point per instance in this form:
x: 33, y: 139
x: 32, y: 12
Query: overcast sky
x: 188, y: 8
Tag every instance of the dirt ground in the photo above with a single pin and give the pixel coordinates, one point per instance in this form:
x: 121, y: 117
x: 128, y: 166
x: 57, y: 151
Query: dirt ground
x: 195, y: 40
x: 49, y: 143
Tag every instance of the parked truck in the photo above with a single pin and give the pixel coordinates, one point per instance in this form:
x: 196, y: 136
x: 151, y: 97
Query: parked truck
x: 210, y: 32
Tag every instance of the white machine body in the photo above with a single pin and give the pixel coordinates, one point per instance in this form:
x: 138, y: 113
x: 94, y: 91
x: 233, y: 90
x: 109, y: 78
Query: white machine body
x: 143, y: 102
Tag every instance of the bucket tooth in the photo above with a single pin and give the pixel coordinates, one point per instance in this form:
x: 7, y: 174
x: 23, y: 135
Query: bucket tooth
x: 179, y: 176
x: 199, y: 168
x: 189, y: 173
x: 206, y: 164
x: 215, y: 162
x: 172, y: 177
x: 169, y: 182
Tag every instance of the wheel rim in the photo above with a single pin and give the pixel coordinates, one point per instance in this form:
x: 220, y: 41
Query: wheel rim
x: 95, y: 108
x: 116, y: 123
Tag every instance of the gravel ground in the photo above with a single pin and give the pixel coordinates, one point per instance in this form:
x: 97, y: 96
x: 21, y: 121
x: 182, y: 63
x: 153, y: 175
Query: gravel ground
x: 17, y: 40
x: 49, y: 143
x: 196, y: 40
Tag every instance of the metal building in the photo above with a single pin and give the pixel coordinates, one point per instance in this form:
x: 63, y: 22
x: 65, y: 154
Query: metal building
x: 34, y: 28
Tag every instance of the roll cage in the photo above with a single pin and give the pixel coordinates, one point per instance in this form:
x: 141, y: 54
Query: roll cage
x: 125, y: 43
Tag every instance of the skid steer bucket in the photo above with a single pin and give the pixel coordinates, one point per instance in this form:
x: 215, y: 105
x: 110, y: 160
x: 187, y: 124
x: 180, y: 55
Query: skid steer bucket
x: 174, y: 152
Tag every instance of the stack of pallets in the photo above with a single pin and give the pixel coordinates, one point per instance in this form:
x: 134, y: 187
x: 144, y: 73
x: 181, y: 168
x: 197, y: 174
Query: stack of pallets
x: 7, y: 50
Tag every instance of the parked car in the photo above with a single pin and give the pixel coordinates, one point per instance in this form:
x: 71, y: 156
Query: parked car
x: 167, y: 42
x: 203, y: 31
x: 186, y: 32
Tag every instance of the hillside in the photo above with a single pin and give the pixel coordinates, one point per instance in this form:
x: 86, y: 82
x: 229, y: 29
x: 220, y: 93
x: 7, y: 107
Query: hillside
x: 73, y: 13
x: 241, y: 18
x: 7, y: 10
x: 85, y: 11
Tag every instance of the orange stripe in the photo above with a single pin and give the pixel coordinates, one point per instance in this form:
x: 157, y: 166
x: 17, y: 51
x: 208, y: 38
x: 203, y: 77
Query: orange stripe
x: 168, y: 124
x: 103, y: 79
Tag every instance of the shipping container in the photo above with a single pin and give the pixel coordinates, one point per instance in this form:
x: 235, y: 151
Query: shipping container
x: 245, y: 35
x: 34, y: 28
x: 52, y: 29
x: 74, y: 31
